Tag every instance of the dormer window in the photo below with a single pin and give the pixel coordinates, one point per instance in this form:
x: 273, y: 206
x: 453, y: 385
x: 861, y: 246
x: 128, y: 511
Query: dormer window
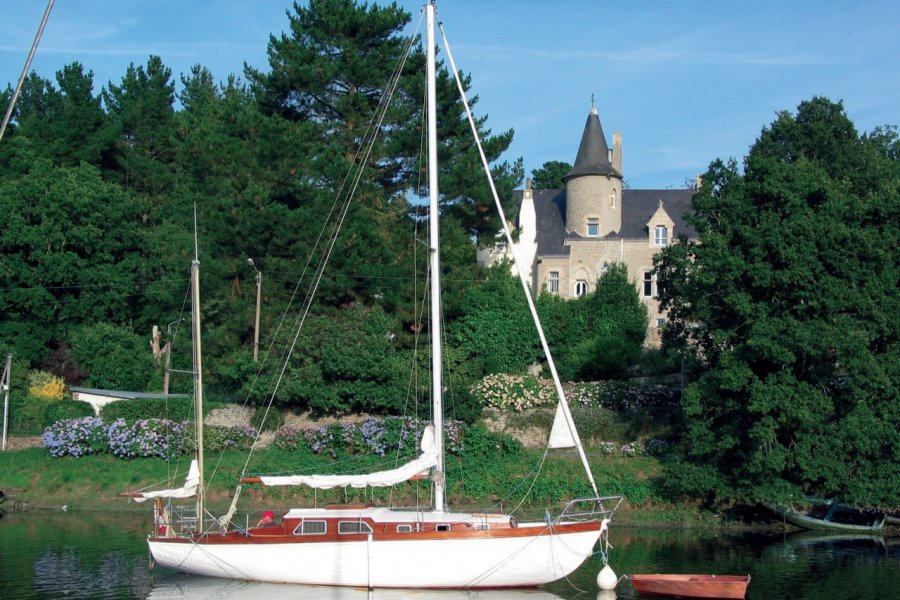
x: 593, y: 228
x: 661, y: 235
x: 612, y: 198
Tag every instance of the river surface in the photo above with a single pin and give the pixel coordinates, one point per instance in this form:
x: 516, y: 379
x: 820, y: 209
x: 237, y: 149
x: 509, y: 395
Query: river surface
x: 56, y: 555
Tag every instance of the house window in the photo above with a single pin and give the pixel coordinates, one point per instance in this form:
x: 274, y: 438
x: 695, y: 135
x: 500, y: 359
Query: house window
x: 553, y: 284
x: 593, y: 227
x: 580, y: 288
x: 311, y: 528
x: 660, y: 323
x: 661, y: 235
x: 648, y: 284
x: 353, y: 527
x: 603, y: 269
x: 612, y: 198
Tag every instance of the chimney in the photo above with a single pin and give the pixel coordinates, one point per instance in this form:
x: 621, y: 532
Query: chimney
x: 617, y: 152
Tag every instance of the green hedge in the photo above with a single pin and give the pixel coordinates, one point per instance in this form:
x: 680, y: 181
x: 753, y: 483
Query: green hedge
x: 66, y: 409
x: 176, y: 409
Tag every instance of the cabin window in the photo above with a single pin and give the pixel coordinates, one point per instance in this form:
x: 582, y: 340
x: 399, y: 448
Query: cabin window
x: 661, y: 235
x: 353, y: 527
x: 593, y: 227
x: 553, y: 284
x: 648, y: 284
x: 311, y: 528
x: 481, y: 527
x: 580, y: 288
x: 404, y: 529
x: 442, y: 527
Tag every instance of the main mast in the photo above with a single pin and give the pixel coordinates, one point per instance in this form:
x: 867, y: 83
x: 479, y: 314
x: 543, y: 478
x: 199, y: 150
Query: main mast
x: 435, y: 260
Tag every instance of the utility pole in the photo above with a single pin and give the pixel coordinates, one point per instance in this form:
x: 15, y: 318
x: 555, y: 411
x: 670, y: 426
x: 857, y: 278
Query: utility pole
x: 4, y: 387
x: 258, y: 296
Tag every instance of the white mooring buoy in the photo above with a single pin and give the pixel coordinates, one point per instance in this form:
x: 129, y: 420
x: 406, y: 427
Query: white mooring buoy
x: 606, y: 578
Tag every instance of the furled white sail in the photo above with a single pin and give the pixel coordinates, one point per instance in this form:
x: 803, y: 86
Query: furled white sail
x: 405, y: 472
x: 561, y: 432
x: 186, y: 491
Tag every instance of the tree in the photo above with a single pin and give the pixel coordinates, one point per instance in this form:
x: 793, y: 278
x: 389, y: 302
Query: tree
x: 69, y: 253
x: 142, y: 108
x: 789, y: 301
x: 495, y: 329
x: 550, y: 175
x: 599, y: 335
x: 66, y: 125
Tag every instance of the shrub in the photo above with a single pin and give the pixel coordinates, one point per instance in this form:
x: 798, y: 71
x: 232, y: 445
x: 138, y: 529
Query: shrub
x: 373, y: 435
x: 515, y: 392
x: 66, y: 409
x: 112, y: 356
x: 217, y: 438
x: 76, y: 437
x: 46, y: 385
x: 26, y: 414
x: 175, y: 409
x: 274, y: 418
x: 147, y: 437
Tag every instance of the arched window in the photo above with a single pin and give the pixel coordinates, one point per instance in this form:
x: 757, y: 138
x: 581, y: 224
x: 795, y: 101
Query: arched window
x: 612, y: 198
x: 580, y: 288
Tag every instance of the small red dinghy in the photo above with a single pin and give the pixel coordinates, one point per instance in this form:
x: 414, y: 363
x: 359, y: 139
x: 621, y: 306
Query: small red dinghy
x: 691, y: 586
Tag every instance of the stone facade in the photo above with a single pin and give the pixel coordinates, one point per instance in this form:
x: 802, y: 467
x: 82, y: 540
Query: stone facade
x: 568, y: 237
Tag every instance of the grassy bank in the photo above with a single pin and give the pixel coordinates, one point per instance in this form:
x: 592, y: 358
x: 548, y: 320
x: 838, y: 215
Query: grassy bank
x: 33, y: 480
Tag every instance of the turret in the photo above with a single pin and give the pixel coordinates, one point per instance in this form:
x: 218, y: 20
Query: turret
x: 594, y: 185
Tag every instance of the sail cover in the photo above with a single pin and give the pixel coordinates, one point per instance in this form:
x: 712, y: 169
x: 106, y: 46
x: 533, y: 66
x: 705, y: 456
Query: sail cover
x: 426, y: 460
x: 186, y: 491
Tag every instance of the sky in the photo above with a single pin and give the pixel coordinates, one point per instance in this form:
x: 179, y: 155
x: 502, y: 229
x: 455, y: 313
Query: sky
x: 685, y: 82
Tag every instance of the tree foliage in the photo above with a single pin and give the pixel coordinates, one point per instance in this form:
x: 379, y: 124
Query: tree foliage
x: 599, y: 335
x: 789, y: 301
x: 550, y: 175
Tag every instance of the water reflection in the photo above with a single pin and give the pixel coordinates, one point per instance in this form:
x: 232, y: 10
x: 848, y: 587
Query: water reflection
x: 85, y: 555
x: 207, y: 588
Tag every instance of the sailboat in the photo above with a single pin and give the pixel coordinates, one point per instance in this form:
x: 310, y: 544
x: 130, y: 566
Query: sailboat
x: 360, y: 545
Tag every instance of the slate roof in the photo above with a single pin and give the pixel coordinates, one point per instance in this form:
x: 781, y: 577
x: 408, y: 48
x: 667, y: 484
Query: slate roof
x: 593, y: 153
x: 637, y: 208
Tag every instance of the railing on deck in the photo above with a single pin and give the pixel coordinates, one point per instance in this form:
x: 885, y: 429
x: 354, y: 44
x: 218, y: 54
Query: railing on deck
x: 588, y: 509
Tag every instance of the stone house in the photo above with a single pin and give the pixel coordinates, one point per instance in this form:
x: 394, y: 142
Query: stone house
x: 568, y: 237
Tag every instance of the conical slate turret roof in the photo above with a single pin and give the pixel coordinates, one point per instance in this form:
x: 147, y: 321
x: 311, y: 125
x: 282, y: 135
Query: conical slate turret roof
x: 593, y: 153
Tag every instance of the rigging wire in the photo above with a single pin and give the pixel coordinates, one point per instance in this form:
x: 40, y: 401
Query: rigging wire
x: 336, y: 217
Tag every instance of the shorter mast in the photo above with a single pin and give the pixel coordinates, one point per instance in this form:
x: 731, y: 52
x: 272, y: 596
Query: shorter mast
x: 198, y: 371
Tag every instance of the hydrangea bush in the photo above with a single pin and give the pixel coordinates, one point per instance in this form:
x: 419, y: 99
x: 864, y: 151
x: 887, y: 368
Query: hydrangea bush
x: 146, y: 437
x: 76, y: 437
x: 162, y: 438
x: 372, y: 435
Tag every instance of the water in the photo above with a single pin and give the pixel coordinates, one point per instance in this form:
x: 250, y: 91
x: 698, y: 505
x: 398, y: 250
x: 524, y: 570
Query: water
x: 91, y: 555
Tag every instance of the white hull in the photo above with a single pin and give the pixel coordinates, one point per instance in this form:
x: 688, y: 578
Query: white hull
x: 456, y: 562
